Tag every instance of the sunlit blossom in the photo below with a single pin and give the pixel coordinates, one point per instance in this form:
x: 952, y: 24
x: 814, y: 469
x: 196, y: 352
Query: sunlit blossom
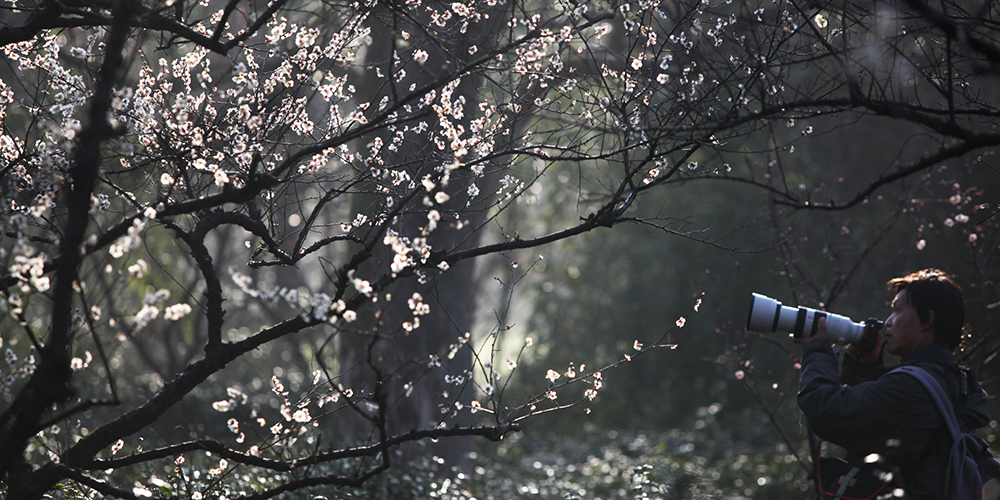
x: 176, y: 311
x: 221, y: 178
x: 139, y: 268
x: 361, y: 285
x: 142, y: 318
x: 420, y: 56
x: 222, y: 406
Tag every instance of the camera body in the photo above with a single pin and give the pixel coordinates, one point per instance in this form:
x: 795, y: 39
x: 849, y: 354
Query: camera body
x: 769, y: 315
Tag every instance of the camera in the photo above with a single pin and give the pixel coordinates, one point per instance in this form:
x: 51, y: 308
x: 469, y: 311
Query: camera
x: 769, y: 315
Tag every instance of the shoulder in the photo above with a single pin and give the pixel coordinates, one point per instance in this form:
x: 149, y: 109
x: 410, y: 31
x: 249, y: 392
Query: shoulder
x: 939, y: 363
x: 965, y: 395
x: 929, y: 388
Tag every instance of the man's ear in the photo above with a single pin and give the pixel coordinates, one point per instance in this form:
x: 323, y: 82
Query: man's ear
x: 930, y: 319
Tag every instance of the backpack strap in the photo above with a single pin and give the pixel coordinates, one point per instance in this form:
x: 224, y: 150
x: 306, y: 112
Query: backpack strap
x: 937, y: 394
x: 972, y: 471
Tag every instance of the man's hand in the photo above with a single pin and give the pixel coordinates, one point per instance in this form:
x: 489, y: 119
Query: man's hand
x: 820, y: 333
x: 854, y: 351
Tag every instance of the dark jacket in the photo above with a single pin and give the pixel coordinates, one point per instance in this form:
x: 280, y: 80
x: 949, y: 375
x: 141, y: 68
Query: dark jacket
x: 892, y: 415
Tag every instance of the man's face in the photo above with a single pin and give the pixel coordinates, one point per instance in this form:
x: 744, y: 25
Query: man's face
x: 903, y: 331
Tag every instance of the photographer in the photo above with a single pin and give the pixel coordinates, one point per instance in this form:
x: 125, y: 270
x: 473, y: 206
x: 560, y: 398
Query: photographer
x: 894, y: 415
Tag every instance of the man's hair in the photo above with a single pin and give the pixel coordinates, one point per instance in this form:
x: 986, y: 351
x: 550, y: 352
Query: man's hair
x: 934, y: 290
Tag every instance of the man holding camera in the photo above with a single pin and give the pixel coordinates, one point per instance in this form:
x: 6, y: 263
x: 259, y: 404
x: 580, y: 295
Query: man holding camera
x: 868, y: 412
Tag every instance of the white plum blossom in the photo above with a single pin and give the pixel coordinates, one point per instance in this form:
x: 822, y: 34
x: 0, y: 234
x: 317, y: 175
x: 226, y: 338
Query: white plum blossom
x: 302, y: 415
x: 223, y: 406
x: 138, y: 269
x: 129, y: 241
x: 361, y: 285
x: 176, y: 311
x: 221, y: 178
x: 148, y: 313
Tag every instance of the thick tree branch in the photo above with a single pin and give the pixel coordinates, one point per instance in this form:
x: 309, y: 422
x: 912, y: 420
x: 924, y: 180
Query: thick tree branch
x: 51, y: 381
x: 54, y: 15
x: 923, y: 164
x: 961, y: 34
x: 492, y: 433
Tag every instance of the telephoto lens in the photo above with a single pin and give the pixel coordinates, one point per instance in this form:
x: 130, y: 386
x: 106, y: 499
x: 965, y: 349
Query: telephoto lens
x: 769, y: 315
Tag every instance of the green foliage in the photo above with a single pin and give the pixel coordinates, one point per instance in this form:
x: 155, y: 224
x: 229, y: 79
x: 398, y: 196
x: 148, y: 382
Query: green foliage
x: 611, y: 465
